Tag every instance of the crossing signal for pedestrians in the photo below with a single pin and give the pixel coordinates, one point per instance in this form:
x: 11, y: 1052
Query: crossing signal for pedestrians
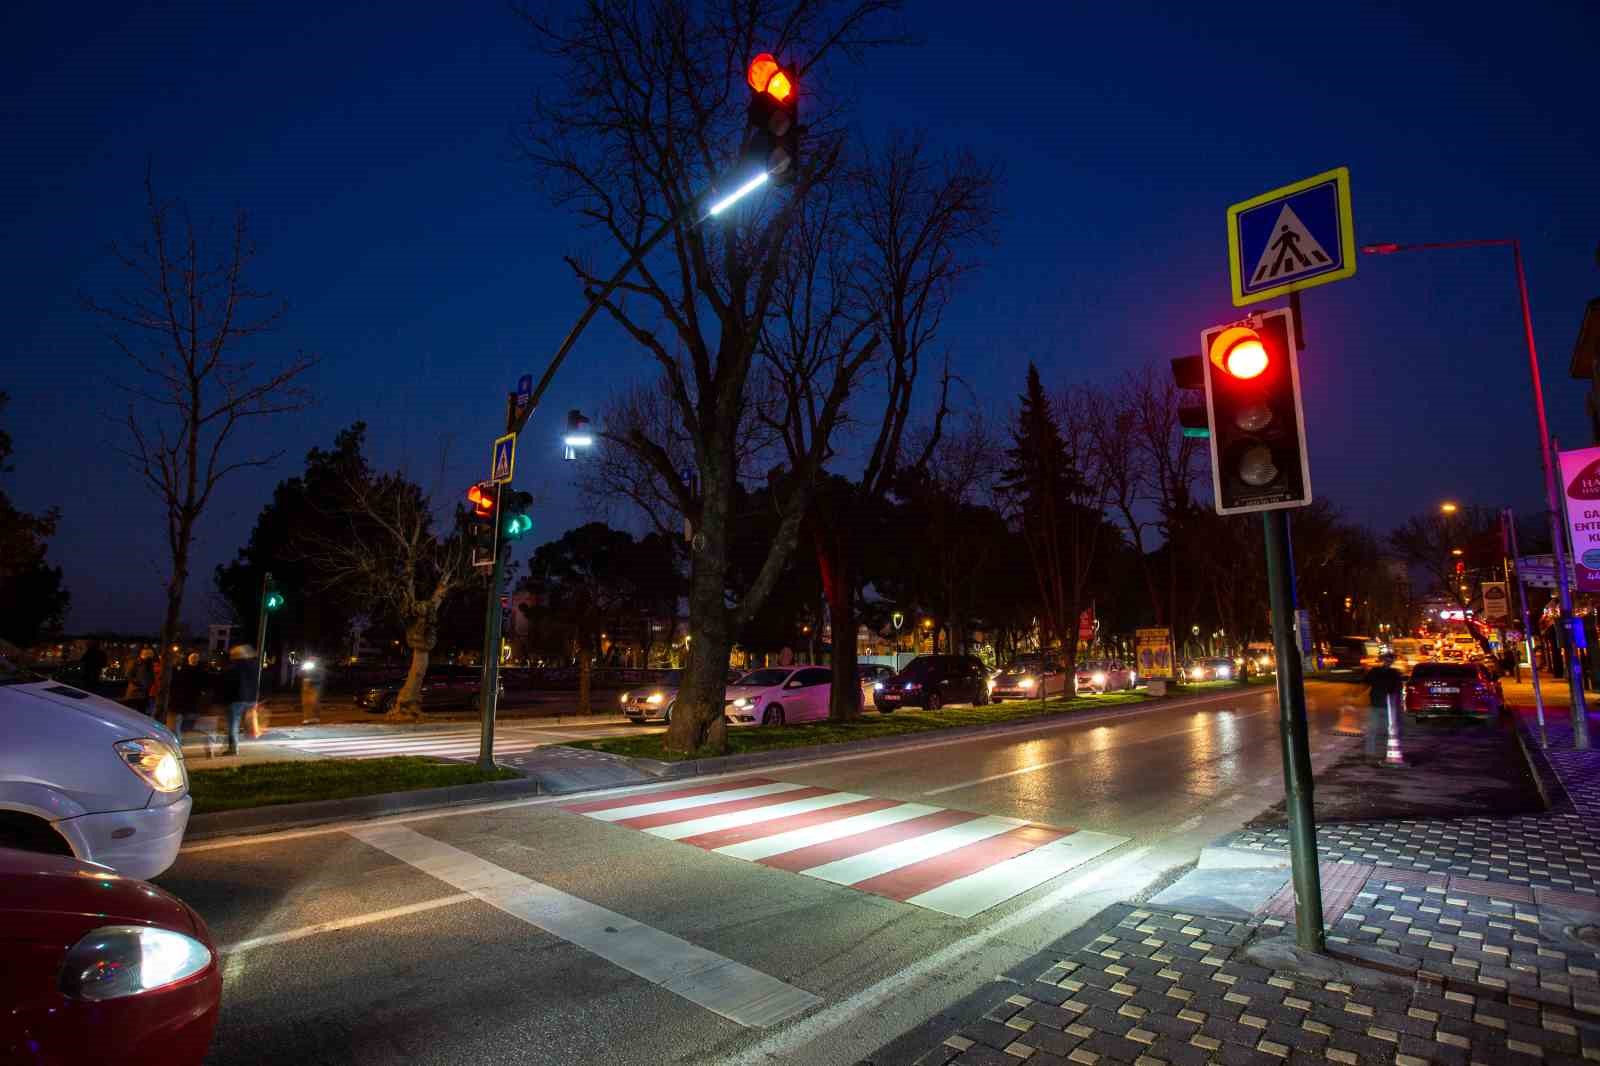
x: 1257, y: 426
x: 517, y: 521
x: 273, y: 598
x: 772, y: 136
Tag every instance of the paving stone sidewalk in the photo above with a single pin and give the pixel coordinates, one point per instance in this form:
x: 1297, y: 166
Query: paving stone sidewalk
x: 1483, y: 933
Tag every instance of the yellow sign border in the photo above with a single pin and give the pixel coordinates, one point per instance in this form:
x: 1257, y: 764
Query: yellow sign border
x: 1347, y: 237
x: 494, y: 452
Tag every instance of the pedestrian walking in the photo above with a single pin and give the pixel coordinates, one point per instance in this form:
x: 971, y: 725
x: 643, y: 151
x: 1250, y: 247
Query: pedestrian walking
x: 140, y: 677
x: 188, y: 688
x: 241, y: 689
x: 1384, y: 683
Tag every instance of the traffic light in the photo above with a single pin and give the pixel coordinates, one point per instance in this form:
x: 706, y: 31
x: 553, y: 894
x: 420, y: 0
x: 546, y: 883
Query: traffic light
x: 516, y: 520
x: 1189, y: 373
x: 480, y: 531
x: 772, y: 139
x: 1257, y: 426
x: 272, y: 599
x: 578, y: 434
x: 481, y: 497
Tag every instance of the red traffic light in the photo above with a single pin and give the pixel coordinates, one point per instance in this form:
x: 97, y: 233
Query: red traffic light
x: 482, y: 499
x: 1238, y: 352
x: 765, y: 76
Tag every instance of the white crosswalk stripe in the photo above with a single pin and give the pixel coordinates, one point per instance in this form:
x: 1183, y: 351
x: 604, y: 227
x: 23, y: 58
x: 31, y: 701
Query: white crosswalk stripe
x: 441, y: 743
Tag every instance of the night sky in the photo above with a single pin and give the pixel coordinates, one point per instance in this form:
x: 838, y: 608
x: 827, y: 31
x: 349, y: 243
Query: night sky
x: 373, y: 146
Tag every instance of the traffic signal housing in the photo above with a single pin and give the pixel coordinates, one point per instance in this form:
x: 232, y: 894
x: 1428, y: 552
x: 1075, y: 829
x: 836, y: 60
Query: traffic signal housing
x: 273, y: 599
x: 515, y: 517
x: 481, y: 526
x: 1253, y: 410
x: 772, y: 134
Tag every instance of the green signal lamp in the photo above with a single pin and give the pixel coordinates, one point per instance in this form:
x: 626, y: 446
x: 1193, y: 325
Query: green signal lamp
x: 517, y: 525
x: 274, y: 600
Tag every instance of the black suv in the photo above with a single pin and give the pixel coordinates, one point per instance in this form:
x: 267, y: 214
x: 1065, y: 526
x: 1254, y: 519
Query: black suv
x: 931, y: 681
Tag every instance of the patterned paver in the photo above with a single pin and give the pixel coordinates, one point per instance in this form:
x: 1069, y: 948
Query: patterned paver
x: 1483, y: 921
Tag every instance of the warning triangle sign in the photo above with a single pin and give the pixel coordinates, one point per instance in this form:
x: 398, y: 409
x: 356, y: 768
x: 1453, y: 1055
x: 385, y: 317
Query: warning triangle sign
x: 1290, y: 251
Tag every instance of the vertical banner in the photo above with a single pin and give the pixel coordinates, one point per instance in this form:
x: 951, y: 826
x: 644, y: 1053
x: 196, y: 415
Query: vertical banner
x: 1580, y: 482
x: 1153, y: 651
x: 1496, y: 602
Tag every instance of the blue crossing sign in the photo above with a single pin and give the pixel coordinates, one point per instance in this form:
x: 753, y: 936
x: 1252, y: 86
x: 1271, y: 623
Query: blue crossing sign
x: 504, y: 459
x: 1295, y: 237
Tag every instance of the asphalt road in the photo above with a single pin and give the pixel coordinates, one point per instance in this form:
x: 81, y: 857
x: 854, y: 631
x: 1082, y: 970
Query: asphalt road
x: 526, y: 933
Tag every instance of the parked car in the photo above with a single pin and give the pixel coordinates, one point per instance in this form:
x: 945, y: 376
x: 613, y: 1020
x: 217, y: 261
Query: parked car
x: 778, y: 694
x: 653, y: 701
x: 1101, y: 676
x: 1220, y: 669
x: 870, y: 674
x: 931, y: 681
x: 100, y: 968
x: 443, y: 688
x: 1453, y: 689
x: 1029, y: 677
x: 1260, y: 658
x: 82, y: 776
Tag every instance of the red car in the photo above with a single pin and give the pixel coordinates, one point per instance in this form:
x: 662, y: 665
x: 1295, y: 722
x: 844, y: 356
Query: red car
x: 100, y: 968
x: 1453, y: 689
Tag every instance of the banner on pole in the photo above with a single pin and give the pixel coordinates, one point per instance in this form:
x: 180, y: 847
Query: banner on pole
x: 1496, y: 602
x: 1153, y: 651
x: 1580, y: 482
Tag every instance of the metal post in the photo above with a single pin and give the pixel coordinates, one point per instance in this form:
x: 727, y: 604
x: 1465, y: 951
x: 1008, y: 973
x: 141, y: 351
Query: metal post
x: 489, y: 696
x: 1569, y: 621
x: 1392, y: 755
x: 1510, y: 519
x: 1297, y: 779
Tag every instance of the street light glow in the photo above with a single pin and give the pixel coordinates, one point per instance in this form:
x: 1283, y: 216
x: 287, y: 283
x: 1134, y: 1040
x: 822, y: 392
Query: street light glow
x: 738, y: 194
x: 578, y: 440
x: 1447, y: 508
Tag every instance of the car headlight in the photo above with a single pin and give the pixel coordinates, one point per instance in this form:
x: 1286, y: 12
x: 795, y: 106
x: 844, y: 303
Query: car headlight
x: 1026, y: 682
x: 877, y: 686
x: 1198, y: 673
x: 655, y: 699
x: 1098, y: 679
x: 159, y: 766
x: 1133, y: 675
x: 626, y: 696
x: 741, y: 704
x: 124, y: 960
x: 1223, y: 671
x: 912, y: 686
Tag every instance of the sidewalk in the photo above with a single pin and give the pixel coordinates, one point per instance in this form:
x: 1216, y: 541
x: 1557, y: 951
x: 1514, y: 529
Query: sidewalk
x: 1462, y: 940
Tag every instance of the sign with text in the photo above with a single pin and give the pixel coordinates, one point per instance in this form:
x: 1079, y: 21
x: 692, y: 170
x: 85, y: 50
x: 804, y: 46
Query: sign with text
x: 1153, y: 651
x: 1580, y: 480
x: 1496, y: 602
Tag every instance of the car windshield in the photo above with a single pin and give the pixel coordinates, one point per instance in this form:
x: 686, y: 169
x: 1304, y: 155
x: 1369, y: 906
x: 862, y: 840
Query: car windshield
x: 12, y: 673
x: 764, y: 678
x: 1028, y: 666
x: 920, y: 667
x: 1443, y: 672
x: 1219, y: 662
x: 1094, y: 664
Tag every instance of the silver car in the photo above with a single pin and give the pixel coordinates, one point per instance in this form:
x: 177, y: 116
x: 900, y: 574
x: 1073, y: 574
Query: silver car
x: 653, y: 701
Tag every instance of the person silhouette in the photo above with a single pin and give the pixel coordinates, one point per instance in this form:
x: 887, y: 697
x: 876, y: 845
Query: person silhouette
x: 1288, y: 247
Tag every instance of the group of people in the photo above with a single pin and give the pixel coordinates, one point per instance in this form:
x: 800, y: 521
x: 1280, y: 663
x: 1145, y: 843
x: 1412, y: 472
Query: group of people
x: 193, y: 687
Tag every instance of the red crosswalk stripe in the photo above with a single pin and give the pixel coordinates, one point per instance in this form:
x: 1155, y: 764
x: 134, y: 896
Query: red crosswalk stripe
x: 956, y: 862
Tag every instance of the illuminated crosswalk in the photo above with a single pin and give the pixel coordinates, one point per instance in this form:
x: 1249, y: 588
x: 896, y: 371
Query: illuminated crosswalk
x: 459, y: 743
x: 955, y: 862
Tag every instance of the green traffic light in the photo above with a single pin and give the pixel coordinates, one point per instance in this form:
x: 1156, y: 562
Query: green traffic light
x: 517, y: 525
x: 274, y: 600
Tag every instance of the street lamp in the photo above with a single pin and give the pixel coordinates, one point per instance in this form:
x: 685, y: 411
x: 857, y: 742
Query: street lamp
x: 1448, y: 508
x: 1580, y: 720
x: 576, y: 436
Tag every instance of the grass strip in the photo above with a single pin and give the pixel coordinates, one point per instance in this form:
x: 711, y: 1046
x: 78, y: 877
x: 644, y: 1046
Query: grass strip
x: 267, y: 784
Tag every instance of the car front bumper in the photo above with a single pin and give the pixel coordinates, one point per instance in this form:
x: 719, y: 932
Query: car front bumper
x: 1015, y: 692
x: 140, y: 843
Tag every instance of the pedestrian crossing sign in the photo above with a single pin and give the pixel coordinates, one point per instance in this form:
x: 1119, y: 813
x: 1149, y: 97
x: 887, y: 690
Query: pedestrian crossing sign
x: 504, y: 459
x: 1296, y: 237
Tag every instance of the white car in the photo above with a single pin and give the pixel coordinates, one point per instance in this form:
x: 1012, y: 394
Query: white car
x: 779, y: 694
x: 82, y: 776
x: 1100, y: 676
x: 654, y: 701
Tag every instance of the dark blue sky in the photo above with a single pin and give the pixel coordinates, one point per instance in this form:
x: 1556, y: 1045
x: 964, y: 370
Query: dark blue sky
x: 373, y: 147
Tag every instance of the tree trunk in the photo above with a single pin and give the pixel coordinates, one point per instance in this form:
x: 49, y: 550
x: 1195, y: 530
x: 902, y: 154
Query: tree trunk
x: 169, y: 625
x: 420, y: 638
x: 697, y: 726
x: 844, y: 700
x: 585, y: 674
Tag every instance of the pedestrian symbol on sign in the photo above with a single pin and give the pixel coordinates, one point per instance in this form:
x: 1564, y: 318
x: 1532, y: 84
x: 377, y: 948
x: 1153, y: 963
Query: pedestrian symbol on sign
x: 1291, y: 251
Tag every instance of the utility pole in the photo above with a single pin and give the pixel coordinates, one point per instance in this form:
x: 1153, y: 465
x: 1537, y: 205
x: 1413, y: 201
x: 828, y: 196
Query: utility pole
x: 1570, y: 622
x: 1508, y: 519
x: 489, y: 690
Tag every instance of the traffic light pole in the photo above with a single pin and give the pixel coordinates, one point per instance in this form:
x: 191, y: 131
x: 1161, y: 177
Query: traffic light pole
x: 261, y: 633
x: 489, y: 694
x: 1297, y: 775
x: 489, y: 697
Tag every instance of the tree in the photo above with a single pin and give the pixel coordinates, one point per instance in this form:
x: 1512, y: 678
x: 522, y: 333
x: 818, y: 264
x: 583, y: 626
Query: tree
x: 386, y: 549
x: 1171, y: 464
x: 1429, y: 541
x: 302, y: 513
x: 186, y: 330
x: 33, y: 600
x: 646, y: 115
x: 892, y: 266
x: 1057, y: 500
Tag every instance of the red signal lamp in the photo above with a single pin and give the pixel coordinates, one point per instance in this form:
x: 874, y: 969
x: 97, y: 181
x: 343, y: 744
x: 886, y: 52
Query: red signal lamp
x: 482, y: 499
x: 1238, y: 352
x: 765, y: 76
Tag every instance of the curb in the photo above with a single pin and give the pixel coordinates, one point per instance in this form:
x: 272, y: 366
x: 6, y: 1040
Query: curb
x: 669, y: 771
x: 292, y: 815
